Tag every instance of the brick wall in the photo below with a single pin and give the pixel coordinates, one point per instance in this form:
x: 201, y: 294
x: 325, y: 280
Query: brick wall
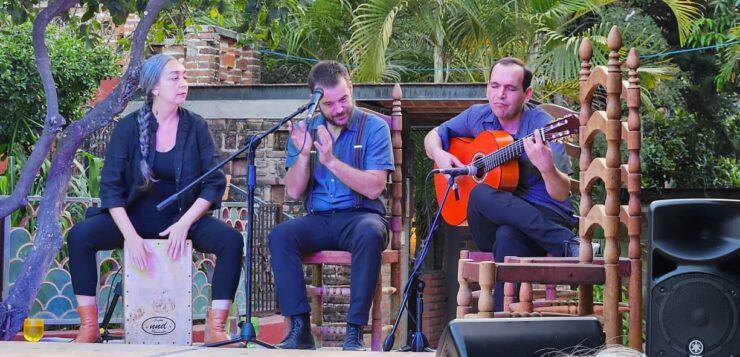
x: 434, y: 318
x: 230, y: 135
x: 211, y: 54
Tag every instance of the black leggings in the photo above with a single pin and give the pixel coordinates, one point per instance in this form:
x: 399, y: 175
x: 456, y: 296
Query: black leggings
x: 208, y: 234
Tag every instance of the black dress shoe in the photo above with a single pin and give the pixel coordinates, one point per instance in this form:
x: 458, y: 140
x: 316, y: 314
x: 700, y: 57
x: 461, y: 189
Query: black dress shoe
x: 299, y: 337
x: 353, y: 338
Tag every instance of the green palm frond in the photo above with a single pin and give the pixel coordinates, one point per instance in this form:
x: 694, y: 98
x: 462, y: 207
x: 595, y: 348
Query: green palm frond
x: 464, y: 21
x: 324, y: 22
x: 546, y: 89
x: 220, y: 21
x: 557, y: 57
x: 686, y: 11
x: 566, y: 11
x: 371, y: 31
x: 730, y: 61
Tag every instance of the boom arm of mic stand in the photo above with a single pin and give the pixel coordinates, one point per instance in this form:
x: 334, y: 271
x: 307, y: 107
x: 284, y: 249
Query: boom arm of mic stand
x: 390, y: 340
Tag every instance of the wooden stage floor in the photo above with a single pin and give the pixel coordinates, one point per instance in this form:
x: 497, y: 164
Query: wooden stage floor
x: 59, y: 349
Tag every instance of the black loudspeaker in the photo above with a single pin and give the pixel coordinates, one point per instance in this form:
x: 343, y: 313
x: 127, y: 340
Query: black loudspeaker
x: 524, y: 336
x: 694, y: 278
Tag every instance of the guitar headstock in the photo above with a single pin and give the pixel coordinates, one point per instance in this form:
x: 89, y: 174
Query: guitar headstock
x: 563, y: 129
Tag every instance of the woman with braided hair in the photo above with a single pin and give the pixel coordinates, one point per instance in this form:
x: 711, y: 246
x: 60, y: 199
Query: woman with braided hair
x: 152, y: 153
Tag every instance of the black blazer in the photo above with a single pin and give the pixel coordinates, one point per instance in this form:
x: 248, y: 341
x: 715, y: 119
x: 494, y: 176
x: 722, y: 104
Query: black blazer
x: 121, y: 178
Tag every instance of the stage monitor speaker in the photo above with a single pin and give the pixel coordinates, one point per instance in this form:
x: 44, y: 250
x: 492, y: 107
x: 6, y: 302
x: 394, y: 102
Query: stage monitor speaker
x: 524, y: 336
x: 694, y: 278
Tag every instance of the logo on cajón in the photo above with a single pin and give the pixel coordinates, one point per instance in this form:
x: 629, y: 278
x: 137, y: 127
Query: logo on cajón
x: 158, y: 325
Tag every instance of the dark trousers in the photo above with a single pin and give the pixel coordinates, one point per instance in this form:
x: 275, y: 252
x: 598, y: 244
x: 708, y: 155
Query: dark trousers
x: 364, y: 234
x: 510, y: 226
x: 208, y: 234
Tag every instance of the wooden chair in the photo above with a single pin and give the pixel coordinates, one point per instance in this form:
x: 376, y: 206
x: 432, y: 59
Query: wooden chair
x: 551, y: 299
x: 390, y: 257
x: 587, y: 271
x: 468, y: 274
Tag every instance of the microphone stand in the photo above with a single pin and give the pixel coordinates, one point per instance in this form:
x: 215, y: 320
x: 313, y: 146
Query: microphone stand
x: 419, y: 342
x: 248, y: 333
x: 105, y: 334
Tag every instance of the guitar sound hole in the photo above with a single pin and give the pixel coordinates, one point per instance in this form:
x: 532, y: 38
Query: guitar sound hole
x: 480, y: 173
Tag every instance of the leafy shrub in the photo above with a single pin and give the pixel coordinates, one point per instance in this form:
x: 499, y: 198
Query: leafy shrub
x: 680, y: 150
x: 77, y: 66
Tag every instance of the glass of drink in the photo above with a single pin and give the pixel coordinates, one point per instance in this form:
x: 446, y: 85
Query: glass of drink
x: 33, y: 329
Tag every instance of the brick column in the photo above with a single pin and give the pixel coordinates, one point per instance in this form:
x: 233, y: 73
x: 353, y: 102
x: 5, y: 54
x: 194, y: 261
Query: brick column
x: 435, y: 301
x: 212, y: 55
x: 202, y: 56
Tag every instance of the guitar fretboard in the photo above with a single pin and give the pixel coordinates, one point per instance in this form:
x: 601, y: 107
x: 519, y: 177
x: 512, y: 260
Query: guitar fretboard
x: 504, y: 154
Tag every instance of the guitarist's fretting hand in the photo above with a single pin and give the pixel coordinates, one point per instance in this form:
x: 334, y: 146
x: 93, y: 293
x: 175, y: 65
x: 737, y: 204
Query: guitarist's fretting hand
x: 539, y: 152
x: 301, y: 139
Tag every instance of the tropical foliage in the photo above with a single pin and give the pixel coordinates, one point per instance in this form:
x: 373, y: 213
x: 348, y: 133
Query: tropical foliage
x: 387, y: 38
x: 722, y: 26
x: 456, y: 40
x: 78, y: 68
x: 60, y: 137
x: 679, y: 155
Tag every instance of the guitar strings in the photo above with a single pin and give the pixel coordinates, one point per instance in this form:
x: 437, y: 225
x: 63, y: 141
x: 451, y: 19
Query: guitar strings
x: 504, y: 154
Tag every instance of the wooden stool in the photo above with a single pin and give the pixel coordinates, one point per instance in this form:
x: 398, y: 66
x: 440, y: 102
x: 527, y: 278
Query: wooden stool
x: 158, y: 302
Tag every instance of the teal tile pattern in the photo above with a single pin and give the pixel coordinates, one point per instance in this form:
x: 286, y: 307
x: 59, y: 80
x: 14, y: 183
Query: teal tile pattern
x: 55, y: 301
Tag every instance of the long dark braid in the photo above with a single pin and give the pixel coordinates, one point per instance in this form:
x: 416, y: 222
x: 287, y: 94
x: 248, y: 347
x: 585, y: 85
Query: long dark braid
x: 150, y: 73
x: 145, y: 112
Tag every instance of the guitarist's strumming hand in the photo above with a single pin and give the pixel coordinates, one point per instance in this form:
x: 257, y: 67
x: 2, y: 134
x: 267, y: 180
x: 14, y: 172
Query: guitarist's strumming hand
x: 301, y: 138
x: 539, y: 152
x: 445, y: 160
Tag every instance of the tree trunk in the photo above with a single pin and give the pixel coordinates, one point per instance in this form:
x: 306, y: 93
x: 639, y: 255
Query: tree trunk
x: 49, y: 238
x: 439, y: 64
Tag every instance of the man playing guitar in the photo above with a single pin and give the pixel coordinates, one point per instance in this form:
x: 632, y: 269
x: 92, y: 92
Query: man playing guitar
x: 537, y: 217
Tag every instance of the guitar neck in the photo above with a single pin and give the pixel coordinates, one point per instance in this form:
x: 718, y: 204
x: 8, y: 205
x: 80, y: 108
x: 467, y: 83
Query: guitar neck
x: 501, y: 156
x: 563, y: 127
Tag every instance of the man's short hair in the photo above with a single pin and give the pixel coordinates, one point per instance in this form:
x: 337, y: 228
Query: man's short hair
x: 327, y: 74
x: 506, y: 61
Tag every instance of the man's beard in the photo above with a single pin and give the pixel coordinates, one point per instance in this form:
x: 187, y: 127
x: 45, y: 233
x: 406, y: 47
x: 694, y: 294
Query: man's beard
x: 347, y: 113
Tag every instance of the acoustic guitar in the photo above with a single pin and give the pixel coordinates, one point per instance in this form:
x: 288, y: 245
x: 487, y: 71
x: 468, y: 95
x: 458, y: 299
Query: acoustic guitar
x: 493, y: 153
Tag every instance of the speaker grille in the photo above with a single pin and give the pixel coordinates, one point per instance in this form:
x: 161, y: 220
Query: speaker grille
x: 691, y: 307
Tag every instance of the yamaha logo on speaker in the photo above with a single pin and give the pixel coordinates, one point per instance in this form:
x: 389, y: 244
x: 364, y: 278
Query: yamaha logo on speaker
x: 696, y: 347
x: 158, y: 325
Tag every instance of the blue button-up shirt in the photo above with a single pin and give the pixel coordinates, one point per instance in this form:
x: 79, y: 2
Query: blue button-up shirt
x: 328, y: 192
x: 531, y: 185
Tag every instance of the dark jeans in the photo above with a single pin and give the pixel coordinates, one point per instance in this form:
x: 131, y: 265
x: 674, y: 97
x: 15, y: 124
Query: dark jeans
x: 362, y: 233
x: 510, y: 226
x: 208, y: 234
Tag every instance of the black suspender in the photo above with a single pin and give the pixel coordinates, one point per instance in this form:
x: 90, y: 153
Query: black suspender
x: 358, y: 154
x: 356, y: 163
x: 311, y: 171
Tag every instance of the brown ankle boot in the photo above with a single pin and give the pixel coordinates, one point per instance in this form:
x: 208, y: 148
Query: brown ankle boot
x: 89, y: 329
x: 215, y: 326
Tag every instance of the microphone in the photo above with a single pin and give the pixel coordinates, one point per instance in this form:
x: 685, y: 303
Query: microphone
x: 315, y: 97
x: 469, y: 170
